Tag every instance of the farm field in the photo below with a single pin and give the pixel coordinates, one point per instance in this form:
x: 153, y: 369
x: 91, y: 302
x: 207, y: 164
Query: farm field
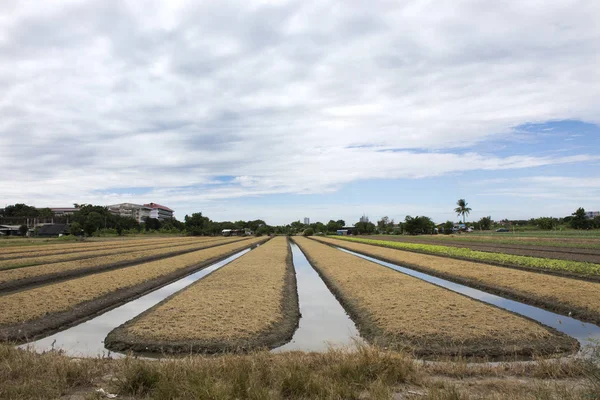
x: 75, y: 248
x: 247, y: 304
x: 520, y: 249
x: 16, y: 278
x: 425, y: 319
x: 555, y: 293
x: 39, y: 310
x: 548, y: 240
x: 8, y: 246
x: 585, y: 270
x: 33, y: 258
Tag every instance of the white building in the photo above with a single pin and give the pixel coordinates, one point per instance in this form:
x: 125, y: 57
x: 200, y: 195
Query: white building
x: 306, y: 221
x: 592, y: 214
x: 129, y: 210
x: 159, y: 212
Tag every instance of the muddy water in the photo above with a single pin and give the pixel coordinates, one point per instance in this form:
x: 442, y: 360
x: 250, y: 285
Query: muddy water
x: 587, y: 334
x: 87, y: 338
x: 323, y: 322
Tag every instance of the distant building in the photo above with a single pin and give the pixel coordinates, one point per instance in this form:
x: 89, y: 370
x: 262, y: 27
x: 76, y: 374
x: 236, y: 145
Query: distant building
x: 159, y: 212
x: 54, y: 230
x: 306, y: 221
x: 364, y: 218
x: 592, y: 214
x: 129, y: 210
x: 63, y: 211
x: 346, y: 230
x: 10, y: 230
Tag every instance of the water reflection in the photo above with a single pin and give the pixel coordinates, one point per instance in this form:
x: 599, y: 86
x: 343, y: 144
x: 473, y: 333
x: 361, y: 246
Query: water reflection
x: 87, y: 338
x: 324, y: 322
x: 585, y: 333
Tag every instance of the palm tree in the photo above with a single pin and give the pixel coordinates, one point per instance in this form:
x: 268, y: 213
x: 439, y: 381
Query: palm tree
x: 462, y: 209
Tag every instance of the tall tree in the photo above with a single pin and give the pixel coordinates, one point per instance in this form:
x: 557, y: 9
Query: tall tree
x: 462, y: 209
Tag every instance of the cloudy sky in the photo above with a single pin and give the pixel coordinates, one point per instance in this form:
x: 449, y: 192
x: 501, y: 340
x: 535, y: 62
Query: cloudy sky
x: 288, y: 109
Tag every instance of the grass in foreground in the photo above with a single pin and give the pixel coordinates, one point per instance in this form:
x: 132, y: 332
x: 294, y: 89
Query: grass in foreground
x: 403, y: 312
x: 20, y: 307
x: 573, y: 267
x: 369, y: 373
x: 243, y: 305
x: 555, y: 293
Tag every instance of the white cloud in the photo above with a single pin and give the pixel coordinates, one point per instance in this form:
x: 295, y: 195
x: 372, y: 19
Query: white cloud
x: 288, y: 97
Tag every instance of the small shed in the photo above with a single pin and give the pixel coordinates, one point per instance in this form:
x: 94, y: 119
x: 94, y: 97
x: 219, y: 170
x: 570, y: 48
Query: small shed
x: 10, y: 230
x: 53, y: 230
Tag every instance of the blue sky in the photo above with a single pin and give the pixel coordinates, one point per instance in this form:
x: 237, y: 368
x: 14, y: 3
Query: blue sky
x: 280, y: 111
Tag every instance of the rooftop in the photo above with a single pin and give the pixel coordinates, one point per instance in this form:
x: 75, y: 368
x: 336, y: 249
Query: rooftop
x: 154, y: 205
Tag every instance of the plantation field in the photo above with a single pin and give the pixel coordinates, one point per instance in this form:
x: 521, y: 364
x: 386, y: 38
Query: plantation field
x: 246, y: 304
x: 520, y: 249
x: 565, y: 267
x: 566, y: 295
x: 31, y: 312
x: 75, y: 248
x: 34, y: 259
x: 583, y: 242
x: 21, y: 245
x: 14, y: 278
x: 402, y: 312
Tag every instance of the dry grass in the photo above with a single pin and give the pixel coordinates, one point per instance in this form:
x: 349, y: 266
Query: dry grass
x: 34, y: 303
x: 369, y: 373
x: 408, y: 312
x: 35, y: 259
x: 88, y: 244
x: 577, y: 293
x: 240, y: 300
x: 98, y: 246
x: 100, y: 261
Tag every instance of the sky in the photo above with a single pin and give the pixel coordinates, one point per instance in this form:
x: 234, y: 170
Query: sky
x: 280, y: 110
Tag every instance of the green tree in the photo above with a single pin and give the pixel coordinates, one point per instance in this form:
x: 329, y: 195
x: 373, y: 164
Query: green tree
x: 462, y: 209
x: 546, y: 223
x: 308, y: 232
x: 23, y: 229
x: 580, y: 220
x: 196, y: 224
x: 418, y: 225
x: 448, y: 225
x: 365, y: 228
x: 75, y: 229
x: 485, y: 223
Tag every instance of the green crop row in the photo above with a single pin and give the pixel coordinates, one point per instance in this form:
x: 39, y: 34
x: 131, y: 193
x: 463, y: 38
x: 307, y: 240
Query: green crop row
x: 577, y: 267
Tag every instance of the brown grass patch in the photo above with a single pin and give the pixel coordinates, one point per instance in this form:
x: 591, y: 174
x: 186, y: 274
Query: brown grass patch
x: 404, y: 312
x: 34, y: 303
x: 580, y: 297
x: 102, y: 261
x: 88, y: 244
x: 35, y: 259
x: 369, y: 373
x: 98, y: 246
x: 236, y: 306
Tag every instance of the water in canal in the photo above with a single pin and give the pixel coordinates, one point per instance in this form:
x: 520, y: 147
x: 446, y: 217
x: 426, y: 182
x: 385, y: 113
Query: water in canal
x: 587, y: 334
x: 87, y: 338
x: 324, y: 321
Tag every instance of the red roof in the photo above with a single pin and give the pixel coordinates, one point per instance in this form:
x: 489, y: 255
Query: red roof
x: 154, y: 205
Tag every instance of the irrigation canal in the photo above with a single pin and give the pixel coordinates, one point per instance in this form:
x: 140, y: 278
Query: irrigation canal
x: 324, y: 321
x: 87, y: 338
x: 587, y: 334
